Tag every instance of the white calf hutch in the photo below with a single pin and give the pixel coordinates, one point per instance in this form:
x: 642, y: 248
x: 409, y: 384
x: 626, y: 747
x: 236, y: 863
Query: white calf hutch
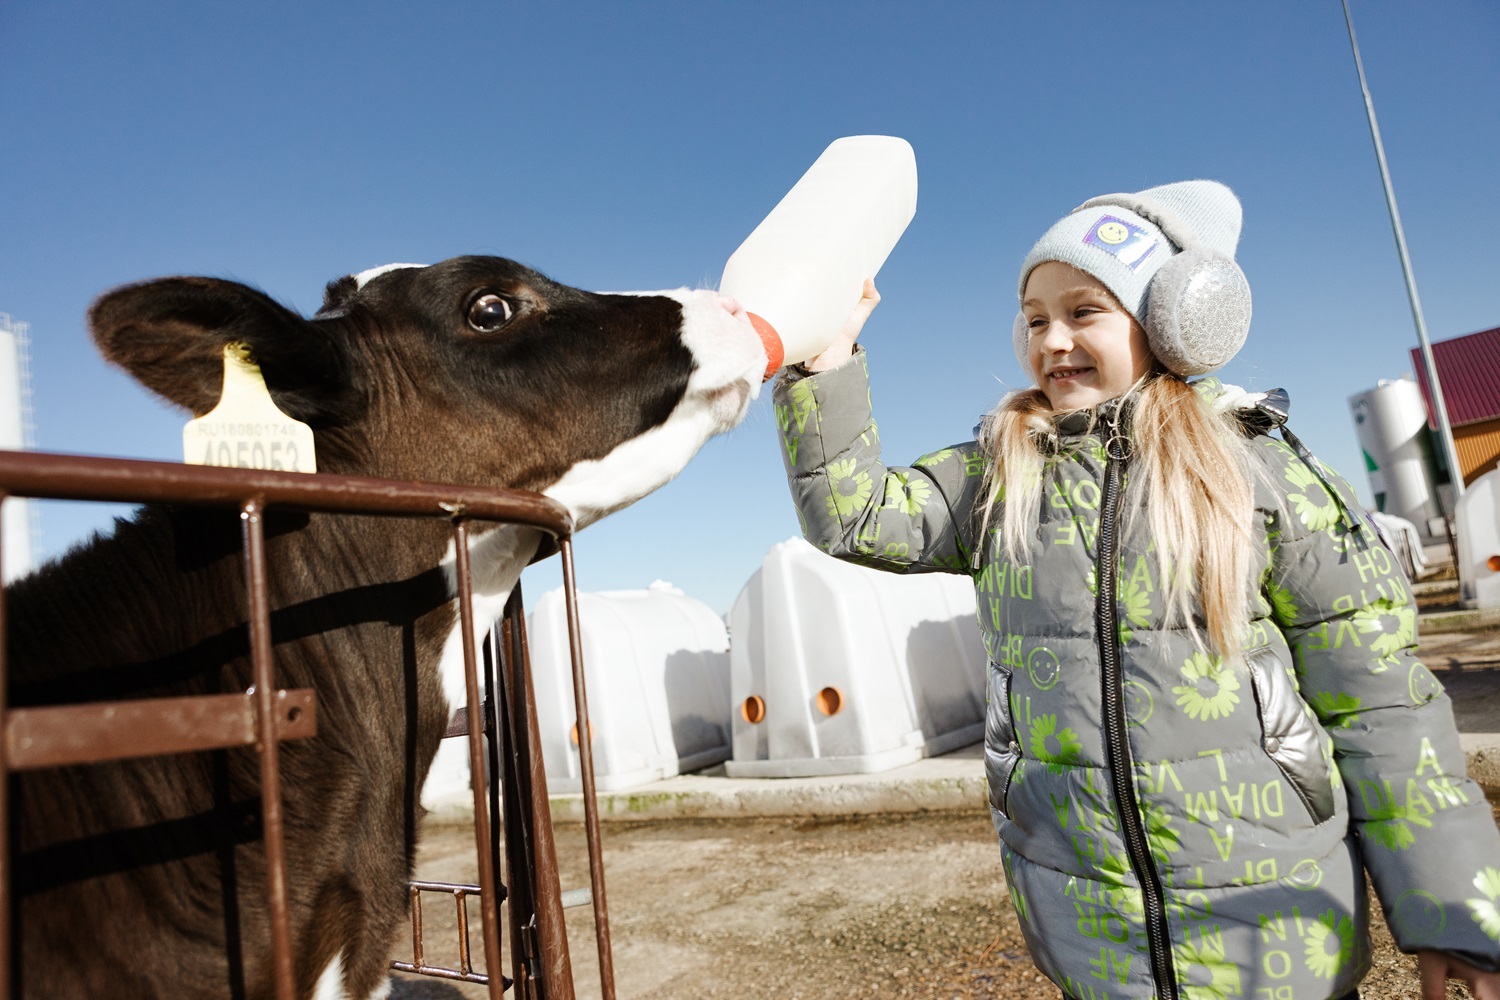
x: 840, y: 669
x: 657, y: 667
x: 1478, y: 531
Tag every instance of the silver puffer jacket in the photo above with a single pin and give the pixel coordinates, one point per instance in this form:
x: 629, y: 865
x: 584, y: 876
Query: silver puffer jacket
x: 1173, y: 825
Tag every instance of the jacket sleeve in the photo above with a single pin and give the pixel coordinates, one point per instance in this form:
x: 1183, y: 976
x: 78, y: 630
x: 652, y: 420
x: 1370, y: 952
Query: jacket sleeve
x: 848, y: 502
x: 1424, y: 829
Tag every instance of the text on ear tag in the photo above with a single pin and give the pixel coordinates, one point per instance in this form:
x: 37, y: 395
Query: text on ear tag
x: 246, y: 430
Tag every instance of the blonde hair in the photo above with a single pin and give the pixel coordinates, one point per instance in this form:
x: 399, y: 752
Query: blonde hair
x: 1190, y: 479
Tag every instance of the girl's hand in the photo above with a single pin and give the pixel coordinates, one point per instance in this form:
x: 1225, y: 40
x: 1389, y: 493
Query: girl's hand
x: 842, y: 347
x: 1438, y: 967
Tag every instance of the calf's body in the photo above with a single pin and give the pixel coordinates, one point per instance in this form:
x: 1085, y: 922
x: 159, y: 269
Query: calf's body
x: 146, y: 878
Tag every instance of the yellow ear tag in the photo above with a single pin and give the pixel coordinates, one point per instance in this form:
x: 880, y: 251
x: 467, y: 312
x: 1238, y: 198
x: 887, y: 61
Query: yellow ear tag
x: 246, y: 430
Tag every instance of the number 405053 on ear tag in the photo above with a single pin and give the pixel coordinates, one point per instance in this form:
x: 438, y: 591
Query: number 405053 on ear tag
x: 246, y: 430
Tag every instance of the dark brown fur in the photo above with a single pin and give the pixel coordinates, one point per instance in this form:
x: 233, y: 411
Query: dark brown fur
x: 145, y: 878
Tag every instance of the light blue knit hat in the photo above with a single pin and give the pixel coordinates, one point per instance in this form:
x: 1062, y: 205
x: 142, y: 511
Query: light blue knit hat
x: 1125, y: 240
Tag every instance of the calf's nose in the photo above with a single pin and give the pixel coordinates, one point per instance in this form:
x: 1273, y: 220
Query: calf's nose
x: 769, y: 338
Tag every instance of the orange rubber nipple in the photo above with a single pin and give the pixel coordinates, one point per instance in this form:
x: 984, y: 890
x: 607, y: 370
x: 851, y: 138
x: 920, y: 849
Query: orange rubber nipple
x: 771, y: 340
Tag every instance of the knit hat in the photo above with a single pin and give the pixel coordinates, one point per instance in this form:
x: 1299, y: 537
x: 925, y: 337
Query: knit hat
x: 1167, y: 253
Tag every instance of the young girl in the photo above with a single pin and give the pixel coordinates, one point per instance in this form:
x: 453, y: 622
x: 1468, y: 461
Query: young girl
x: 1206, y: 721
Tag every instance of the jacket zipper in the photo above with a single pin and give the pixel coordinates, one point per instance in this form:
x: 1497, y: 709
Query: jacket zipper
x: 1121, y: 769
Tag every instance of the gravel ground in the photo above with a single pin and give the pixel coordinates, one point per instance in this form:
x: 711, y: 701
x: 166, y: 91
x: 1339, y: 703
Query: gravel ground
x: 891, y: 906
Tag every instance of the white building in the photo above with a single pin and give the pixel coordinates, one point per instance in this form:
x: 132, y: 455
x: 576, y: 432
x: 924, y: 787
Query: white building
x: 18, y: 518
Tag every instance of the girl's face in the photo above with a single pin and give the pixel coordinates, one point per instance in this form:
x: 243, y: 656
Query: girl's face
x: 1084, y: 347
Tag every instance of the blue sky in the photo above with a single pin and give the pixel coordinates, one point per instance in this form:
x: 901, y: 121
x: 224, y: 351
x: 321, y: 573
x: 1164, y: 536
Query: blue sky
x: 634, y: 145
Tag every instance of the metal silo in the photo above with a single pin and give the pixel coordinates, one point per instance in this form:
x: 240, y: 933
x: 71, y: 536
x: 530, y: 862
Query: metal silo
x: 1391, y: 423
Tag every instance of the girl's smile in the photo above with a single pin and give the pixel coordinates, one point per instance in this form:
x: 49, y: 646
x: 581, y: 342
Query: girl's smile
x: 1067, y: 374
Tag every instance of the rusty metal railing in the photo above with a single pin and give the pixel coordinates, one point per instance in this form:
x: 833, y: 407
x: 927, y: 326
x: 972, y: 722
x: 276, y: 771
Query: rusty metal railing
x: 50, y: 736
x: 460, y: 892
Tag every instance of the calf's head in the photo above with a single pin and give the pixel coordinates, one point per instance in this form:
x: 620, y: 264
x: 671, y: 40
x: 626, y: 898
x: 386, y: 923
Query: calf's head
x: 477, y: 370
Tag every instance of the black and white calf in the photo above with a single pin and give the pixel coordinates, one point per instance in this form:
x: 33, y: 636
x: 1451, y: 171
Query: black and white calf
x: 142, y: 878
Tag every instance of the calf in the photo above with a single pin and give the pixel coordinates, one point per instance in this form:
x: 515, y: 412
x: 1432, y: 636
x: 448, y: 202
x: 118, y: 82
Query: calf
x: 139, y: 878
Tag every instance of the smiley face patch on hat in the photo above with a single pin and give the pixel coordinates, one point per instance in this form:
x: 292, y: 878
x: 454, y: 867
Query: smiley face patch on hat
x: 1130, y: 244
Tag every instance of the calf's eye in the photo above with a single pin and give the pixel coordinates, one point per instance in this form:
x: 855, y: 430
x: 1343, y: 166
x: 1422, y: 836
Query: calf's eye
x: 489, y: 312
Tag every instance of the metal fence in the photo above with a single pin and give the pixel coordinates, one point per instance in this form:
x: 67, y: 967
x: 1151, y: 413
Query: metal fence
x: 506, y: 745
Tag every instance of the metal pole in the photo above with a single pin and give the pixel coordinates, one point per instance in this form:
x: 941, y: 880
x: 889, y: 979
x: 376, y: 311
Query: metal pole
x: 489, y: 904
x: 586, y: 771
x: 272, y: 823
x: 1445, y: 431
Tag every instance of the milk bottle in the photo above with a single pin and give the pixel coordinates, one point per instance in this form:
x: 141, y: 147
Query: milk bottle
x: 803, y: 268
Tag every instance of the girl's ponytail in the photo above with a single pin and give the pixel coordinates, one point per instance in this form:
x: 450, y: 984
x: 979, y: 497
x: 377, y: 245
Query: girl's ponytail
x: 1191, y: 482
x: 1013, y: 435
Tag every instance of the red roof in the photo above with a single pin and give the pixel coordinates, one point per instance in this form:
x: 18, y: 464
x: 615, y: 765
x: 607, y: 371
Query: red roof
x: 1469, y: 370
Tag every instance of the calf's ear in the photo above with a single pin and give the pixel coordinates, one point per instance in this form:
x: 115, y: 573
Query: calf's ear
x: 170, y: 335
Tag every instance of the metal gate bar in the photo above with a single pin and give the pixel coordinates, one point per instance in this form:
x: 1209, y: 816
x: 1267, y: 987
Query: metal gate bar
x: 586, y: 771
x: 32, y: 474
x: 59, y: 735
x: 522, y: 894
x: 536, y: 900
x: 458, y: 726
x: 488, y: 909
x: 418, y: 965
x: 272, y: 827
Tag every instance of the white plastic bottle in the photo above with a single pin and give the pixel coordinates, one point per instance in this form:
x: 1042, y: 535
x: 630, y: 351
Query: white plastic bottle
x: 803, y: 268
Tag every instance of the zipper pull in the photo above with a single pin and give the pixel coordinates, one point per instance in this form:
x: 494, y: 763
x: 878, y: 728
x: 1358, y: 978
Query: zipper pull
x: 1117, y: 446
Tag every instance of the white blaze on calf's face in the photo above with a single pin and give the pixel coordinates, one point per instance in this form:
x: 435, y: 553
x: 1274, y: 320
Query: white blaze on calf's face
x: 728, y: 364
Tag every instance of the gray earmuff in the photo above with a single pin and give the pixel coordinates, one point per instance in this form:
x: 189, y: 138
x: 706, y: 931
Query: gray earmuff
x: 1197, y: 311
x: 1197, y: 304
